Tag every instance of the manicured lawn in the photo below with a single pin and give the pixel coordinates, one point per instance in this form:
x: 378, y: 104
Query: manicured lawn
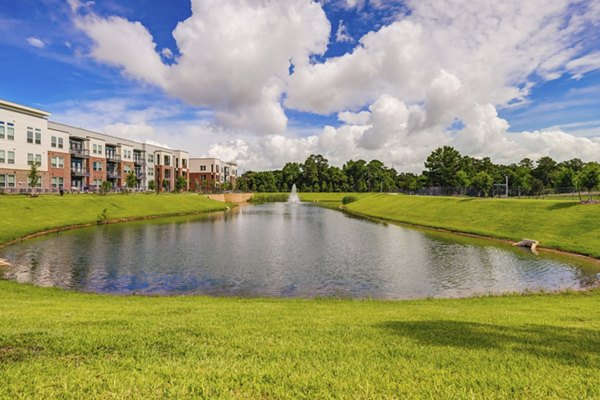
x: 23, y: 215
x: 57, y: 344
x: 561, y: 224
x: 61, y: 344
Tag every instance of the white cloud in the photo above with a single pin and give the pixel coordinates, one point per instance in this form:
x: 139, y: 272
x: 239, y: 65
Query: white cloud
x: 36, y: 42
x: 128, y: 44
x: 583, y: 65
x: 342, y: 34
x: 445, y: 61
x: 234, y: 55
x: 167, y: 53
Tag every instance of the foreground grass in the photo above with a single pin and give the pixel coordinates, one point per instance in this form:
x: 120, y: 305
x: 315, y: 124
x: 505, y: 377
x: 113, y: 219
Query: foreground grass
x: 560, y: 224
x: 23, y: 215
x: 56, y: 344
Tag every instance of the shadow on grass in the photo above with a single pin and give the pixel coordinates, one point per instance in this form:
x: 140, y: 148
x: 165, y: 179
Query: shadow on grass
x: 560, y: 206
x: 574, y: 346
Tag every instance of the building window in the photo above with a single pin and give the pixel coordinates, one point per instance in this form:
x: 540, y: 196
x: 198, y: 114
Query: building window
x: 150, y: 172
x: 167, y: 161
x: 58, y: 162
x: 99, y: 149
x: 10, y: 131
x: 29, y: 135
x: 2, y: 130
x: 95, y: 149
x: 2, y: 156
x: 10, y: 157
x: 31, y: 158
x: 203, y: 168
x: 97, y: 166
x: 53, y: 141
x: 57, y: 182
x: 7, y: 181
x: 98, y: 182
x: 151, y: 158
x: 38, y: 136
x: 60, y: 143
x: 167, y: 174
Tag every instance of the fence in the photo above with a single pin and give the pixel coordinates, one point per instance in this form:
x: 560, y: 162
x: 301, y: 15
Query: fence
x: 500, y: 191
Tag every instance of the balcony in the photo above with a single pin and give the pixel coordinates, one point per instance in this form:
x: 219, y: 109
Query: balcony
x: 79, y: 171
x: 113, y: 157
x: 113, y: 175
x: 80, y: 152
x: 140, y: 176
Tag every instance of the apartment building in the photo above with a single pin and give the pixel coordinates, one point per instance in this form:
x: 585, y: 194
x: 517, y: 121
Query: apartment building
x: 212, y: 174
x: 78, y: 159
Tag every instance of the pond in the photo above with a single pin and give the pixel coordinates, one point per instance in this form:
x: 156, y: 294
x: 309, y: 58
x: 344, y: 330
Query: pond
x: 283, y: 250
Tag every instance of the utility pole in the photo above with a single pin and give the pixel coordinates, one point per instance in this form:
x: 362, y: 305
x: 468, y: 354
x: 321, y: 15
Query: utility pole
x: 506, y: 176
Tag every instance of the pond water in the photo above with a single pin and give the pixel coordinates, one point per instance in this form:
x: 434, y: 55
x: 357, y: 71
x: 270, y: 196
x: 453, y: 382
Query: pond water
x: 282, y: 250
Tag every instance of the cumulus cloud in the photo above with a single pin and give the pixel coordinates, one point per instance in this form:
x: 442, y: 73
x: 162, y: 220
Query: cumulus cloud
x: 342, y: 34
x: 234, y: 55
x: 36, y: 42
x: 398, y: 94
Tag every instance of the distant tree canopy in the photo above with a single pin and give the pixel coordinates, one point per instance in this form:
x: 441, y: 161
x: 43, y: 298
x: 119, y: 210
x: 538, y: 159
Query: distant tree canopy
x: 445, y: 167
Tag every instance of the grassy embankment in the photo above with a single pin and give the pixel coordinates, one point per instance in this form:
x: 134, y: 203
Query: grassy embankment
x: 559, y: 224
x: 21, y: 215
x: 59, y: 344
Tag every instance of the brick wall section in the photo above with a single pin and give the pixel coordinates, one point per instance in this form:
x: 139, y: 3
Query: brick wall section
x: 64, y: 173
x: 96, y: 174
x: 22, y: 181
x: 122, y: 165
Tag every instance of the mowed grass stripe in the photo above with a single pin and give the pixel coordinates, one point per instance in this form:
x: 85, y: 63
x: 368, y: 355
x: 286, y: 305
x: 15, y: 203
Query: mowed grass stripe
x: 56, y: 344
x: 564, y: 225
x: 22, y: 215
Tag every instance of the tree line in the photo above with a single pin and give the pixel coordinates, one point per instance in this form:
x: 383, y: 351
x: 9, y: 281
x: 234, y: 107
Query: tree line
x: 445, y: 167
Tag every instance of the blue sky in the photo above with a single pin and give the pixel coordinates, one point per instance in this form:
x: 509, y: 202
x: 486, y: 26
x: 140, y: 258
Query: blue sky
x: 413, y: 82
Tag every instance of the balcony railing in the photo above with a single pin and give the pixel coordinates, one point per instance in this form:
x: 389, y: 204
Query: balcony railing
x: 138, y: 160
x: 79, y: 171
x: 113, y: 157
x: 140, y: 176
x: 113, y: 175
x: 79, y: 152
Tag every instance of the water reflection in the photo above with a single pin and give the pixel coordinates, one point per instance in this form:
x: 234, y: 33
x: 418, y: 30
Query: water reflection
x: 290, y: 250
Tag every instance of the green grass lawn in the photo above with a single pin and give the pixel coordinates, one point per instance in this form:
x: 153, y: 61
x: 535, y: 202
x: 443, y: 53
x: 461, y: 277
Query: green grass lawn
x: 57, y: 344
x: 24, y: 215
x: 560, y: 224
x: 61, y: 344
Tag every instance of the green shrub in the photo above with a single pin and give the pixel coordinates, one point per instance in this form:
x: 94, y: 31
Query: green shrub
x: 349, y: 199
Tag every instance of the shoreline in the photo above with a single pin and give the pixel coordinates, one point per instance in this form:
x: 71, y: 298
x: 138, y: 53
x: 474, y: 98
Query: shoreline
x: 107, y: 222
x: 541, y: 249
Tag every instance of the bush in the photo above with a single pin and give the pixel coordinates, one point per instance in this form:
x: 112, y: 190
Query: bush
x: 349, y: 199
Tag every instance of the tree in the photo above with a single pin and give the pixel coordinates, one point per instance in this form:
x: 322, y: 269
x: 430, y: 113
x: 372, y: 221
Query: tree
x: 483, y: 182
x: 131, y: 180
x: 565, y: 178
x: 290, y: 174
x: 356, y: 171
x: 105, y: 187
x: 589, y: 177
x: 152, y: 185
x: 463, y: 180
x: 442, y: 165
x: 180, y: 184
x: 34, y: 178
x: 545, y: 171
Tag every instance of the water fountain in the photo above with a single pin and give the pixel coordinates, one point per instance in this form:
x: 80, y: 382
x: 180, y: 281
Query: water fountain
x: 293, y: 196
